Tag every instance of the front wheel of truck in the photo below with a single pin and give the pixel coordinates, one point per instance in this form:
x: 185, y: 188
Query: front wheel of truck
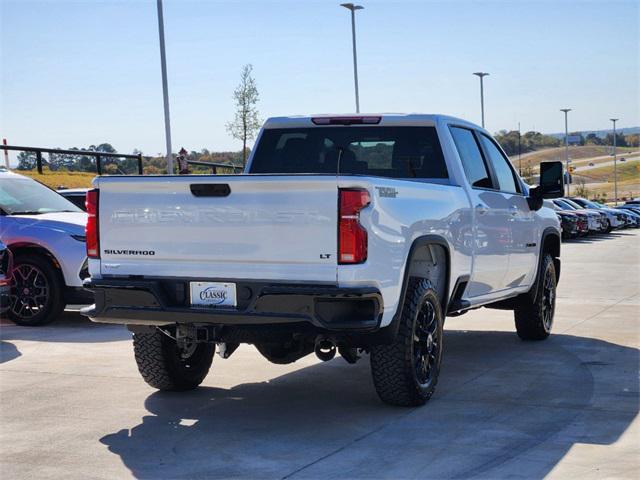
x: 165, y: 366
x: 406, y: 371
x: 534, y: 310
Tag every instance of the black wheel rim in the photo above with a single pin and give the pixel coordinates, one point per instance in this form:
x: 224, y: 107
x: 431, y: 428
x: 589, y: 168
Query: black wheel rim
x: 548, y: 299
x: 426, y: 344
x: 29, y: 291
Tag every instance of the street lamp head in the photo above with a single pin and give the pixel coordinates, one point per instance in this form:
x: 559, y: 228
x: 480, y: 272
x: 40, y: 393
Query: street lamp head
x: 351, y: 6
x: 614, y: 120
x: 565, y: 110
x: 481, y: 74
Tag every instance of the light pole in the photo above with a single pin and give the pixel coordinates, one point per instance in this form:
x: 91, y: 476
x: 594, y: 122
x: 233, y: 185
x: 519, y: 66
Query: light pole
x: 481, y: 75
x: 165, y: 90
x: 519, y: 150
x: 353, y: 8
x: 615, y: 162
x: 566, y: 144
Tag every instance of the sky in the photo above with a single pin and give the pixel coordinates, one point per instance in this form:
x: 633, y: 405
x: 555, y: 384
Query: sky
x: 76, y: 73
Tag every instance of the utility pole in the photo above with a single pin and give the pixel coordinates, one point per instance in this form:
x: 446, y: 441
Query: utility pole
x: 519, y: 150
x: 481, y: 75
x: 566, y: 146
x: 165, y: 89
x: 6, y: 154
x: 353, y: 8
x: 615, y: 162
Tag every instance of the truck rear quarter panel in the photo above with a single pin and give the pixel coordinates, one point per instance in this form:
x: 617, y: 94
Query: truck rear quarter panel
x: 400, y: 212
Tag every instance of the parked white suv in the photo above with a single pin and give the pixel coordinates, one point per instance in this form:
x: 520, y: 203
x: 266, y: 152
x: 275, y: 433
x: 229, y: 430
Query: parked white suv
x: 347, y: 233
x: 45, y: 233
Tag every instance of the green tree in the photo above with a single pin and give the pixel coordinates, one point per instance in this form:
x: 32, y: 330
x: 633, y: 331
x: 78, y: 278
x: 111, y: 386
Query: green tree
x: 245, y: 123
x: 26, y: 161
x: 593, y: 139
x: 621, y: 141
x: 508, y: 141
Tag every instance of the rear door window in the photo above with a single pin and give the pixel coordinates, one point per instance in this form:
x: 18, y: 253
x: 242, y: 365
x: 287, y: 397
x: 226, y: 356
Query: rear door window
x: 472, y: 161
x: 395, y: 152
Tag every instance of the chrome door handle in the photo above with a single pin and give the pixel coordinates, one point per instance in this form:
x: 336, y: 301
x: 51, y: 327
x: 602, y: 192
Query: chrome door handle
x: 514, y: 210
x: 481, y: 209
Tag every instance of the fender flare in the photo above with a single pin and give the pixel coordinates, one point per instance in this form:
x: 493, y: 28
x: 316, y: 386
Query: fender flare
x: 388, y: 333
x: 546, y: 233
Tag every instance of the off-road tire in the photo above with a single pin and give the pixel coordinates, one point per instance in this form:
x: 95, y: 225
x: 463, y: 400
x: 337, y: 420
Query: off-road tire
x: 531, y: 308
x: 393, y: 366
x: 161, y: 365
x: 54, y: 304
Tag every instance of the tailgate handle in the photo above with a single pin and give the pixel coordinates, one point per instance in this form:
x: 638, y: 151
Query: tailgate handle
x: 210, y: 189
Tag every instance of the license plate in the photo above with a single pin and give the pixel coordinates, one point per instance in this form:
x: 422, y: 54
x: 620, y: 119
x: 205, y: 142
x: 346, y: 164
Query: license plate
x: 213, y: 294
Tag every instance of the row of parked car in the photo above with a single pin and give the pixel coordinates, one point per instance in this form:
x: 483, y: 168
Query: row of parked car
x: 580, y: 217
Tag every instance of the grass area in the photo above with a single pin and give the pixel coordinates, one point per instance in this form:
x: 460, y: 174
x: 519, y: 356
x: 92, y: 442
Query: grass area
x: 57, y: 179
x: 626, y: 189
x: 626, y: 172
x: 575, y: 153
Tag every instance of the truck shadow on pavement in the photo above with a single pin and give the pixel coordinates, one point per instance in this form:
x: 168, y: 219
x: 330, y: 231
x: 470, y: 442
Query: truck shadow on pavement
x: 8, y: 351
x: 502, y: 408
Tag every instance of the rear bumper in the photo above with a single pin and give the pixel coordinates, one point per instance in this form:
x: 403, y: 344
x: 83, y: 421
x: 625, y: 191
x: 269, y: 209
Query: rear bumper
x: 163, y: 302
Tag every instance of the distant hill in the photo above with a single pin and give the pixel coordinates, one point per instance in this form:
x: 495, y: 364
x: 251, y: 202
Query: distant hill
x: 600, y: 133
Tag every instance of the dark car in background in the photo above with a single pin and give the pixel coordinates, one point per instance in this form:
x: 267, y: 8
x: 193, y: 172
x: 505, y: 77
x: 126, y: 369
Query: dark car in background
x: 573, y: 224
x: 569, y: 224
x: 596, y: 221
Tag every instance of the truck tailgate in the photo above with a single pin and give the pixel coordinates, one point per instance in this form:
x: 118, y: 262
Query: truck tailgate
x: 220, y: 227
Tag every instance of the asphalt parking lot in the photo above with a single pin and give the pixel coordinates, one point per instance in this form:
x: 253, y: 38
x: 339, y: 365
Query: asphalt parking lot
x: 74, y: 406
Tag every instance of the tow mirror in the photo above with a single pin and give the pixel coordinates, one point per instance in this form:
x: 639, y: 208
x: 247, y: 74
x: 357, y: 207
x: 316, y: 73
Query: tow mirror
x: 551, y: 184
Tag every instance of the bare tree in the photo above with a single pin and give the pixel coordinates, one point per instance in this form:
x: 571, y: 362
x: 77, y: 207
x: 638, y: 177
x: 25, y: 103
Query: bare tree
x: 245, y: 123
x: 581, y: 189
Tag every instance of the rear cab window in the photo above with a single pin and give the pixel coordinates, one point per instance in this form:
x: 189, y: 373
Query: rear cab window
x: 385, y: 151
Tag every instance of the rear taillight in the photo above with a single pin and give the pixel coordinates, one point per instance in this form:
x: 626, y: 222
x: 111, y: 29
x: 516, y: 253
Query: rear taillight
x: 93, y: 242
x: 352, y: 238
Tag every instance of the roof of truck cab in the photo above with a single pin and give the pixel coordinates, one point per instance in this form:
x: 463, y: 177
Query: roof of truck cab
x: 389, y: 119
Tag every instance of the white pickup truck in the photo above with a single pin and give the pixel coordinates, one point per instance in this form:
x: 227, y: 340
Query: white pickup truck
x: 350, y: 234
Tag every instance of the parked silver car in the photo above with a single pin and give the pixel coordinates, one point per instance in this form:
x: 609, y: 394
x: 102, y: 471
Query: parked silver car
x: 45, y: 233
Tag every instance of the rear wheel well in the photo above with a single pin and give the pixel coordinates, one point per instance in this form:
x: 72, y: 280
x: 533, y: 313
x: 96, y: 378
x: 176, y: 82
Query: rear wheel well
x: 431, y: 262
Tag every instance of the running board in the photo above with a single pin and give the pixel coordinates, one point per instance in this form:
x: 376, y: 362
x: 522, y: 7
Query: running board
x: 458, y: 308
